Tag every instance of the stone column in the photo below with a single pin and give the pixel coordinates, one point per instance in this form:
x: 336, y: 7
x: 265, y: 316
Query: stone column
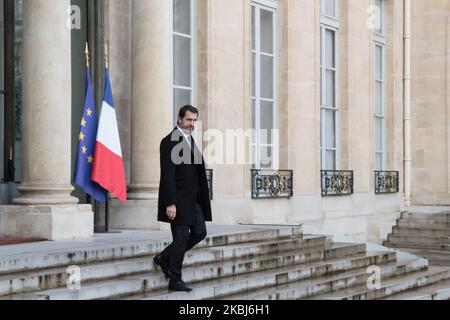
x: 46, y: 208
x: 151, y: 110
x: 151, y: 92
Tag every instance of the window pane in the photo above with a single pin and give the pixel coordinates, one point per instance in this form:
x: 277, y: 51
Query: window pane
x: 182, y: 16
x: 330, y: 160
x: 330, y: 7
x: 253, y: 29
x: 378, y: 16
x: 378, y: 162
x: 266, y: 115
x: 253, y: 75
x: 266, y: 122
x: 378, y: 98
x: 266, y: 31
x: 378, y: 134
x: 322, y: 126
x: 254, y: 157
x: 266, y: 157
x: 267, y: 77
x: 181, y: 97
x: 330, y: 89
x: 182, y: 61
x: 330, y: 129
x: 254, y: 132
x: 379, y: 62
x: 330, y: 49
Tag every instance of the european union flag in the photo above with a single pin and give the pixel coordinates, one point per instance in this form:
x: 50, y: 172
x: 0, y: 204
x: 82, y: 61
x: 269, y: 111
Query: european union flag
x: 86, y: 147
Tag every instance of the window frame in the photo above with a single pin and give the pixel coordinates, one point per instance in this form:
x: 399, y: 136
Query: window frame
x: 193, y: 62
x: 325, y: 17
x: 380, y: 41
x: 256, y: 146
x: 380, y: 34
x: 331, y: 24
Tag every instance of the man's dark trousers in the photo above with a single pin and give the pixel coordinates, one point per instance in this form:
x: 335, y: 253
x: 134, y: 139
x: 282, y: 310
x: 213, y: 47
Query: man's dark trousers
x: 183, y: 241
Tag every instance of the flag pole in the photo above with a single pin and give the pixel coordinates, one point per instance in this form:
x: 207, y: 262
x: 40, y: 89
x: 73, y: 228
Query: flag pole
x: 106, y: 57
x: 88, y: 197
x: 87, y: 55
x: 107, y: 192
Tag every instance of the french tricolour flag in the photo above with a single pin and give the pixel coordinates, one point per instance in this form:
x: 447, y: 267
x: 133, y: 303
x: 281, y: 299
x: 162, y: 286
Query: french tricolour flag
x: 108, y: 170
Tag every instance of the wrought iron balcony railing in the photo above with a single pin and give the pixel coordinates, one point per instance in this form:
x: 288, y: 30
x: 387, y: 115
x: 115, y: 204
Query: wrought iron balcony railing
x: 337, y: 182
x: 209, y: 178
x: 386, y: 182
x: 272, y: 184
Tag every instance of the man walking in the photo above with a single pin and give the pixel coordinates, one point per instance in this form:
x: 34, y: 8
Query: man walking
x: 183, y: 196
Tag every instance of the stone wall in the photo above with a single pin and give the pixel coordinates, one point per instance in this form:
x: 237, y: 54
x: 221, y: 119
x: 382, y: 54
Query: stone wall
x: 430, y: 102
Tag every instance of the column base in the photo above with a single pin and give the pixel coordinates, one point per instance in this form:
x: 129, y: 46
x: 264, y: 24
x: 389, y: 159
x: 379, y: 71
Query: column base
x: 51, y: 222
x: 135, y: 215
x: 45, y: 195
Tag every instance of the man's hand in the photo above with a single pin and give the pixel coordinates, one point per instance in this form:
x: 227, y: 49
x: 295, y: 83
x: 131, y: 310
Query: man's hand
x: 171, y: 212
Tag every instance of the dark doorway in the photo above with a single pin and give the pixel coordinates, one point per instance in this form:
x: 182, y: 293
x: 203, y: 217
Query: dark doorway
x: 10, y: 98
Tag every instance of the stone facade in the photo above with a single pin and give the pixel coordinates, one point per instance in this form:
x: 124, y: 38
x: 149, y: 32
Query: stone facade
x: 139, y: 34
x: 431, y: 102
x: 223, y: 95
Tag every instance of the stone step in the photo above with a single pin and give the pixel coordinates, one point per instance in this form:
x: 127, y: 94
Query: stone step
x: 430, y: 209
x: 425, y: 246
x: 421, y: 232
x: 331, y: 271
x: 102, y: 252
x: 139, y: 284
x: 390, y: 287
x: 426, y: 224
x: 309, y: 248
x: 311, y: 288
x: 442, y: 240
x: 426, y: 216
x: 438, y: 291
x: 434, y: 257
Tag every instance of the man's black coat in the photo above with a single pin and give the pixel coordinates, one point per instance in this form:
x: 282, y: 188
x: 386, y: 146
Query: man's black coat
x: 183, y: 181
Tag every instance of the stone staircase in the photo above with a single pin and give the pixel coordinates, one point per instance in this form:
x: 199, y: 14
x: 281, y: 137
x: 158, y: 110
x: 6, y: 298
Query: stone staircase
x: 422, y: 229
x: 252, y: 263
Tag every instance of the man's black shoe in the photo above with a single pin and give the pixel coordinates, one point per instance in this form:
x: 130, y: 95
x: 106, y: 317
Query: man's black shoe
x: 179, y: 286
x: 163, y: 264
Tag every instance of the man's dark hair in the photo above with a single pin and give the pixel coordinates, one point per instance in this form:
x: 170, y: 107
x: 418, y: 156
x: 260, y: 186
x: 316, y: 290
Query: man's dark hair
x: 185, y: 109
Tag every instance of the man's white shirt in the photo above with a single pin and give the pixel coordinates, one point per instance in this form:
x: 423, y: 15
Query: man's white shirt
x: 187, y: 136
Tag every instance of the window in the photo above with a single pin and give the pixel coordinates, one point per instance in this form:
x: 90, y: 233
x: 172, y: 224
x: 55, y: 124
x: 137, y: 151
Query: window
x: 379, y: 90
x: 184, y: 50
x: 379, y: 17
x: 329, y: 86
x: 264, y: 140
x: 329, y: 8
